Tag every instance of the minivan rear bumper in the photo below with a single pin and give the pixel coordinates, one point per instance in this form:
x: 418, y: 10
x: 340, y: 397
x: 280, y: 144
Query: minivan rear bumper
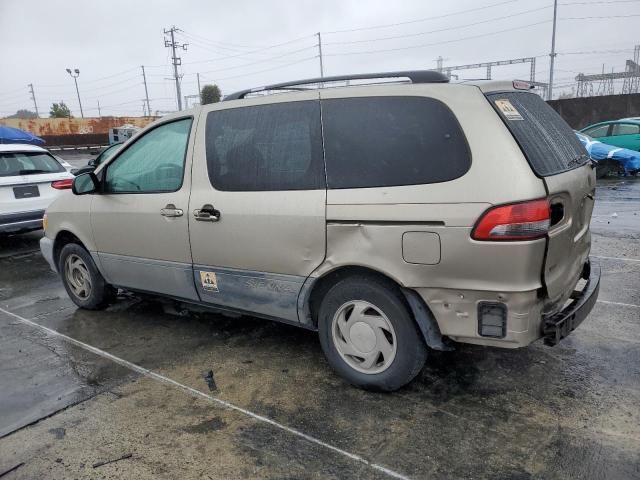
x: 557, y: 326
x: 460, y: 313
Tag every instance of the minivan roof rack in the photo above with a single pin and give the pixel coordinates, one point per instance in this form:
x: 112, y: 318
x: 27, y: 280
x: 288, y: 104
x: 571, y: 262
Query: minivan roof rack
x: 416, y: 76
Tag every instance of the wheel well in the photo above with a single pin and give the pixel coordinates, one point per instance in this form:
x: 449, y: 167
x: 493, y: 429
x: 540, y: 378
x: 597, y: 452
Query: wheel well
x: 323, y: 284
x: 63, y: 238
x: 420, y: 311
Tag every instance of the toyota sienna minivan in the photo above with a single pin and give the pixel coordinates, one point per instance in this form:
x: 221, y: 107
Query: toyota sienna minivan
x: 393, y: 215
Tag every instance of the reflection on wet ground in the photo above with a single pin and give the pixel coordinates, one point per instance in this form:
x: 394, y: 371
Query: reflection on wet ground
x: 565, y: 412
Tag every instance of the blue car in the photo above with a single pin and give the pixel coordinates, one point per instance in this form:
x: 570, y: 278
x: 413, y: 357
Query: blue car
x: 611, y: 159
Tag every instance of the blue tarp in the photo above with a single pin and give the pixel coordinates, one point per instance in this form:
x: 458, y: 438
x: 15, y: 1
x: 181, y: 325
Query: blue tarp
x: 629, y: 159
x: 15, y: 135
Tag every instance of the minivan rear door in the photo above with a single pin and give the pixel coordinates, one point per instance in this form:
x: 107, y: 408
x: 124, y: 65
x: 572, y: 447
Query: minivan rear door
x: 556, y: 155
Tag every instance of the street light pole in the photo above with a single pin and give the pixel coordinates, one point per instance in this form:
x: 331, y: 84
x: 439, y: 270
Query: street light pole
x: 75, y: 79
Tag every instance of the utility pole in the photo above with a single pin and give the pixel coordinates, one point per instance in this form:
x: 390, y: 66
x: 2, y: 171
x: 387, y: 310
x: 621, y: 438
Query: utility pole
x: 320, y: 54
x: 75, y: 79
x: 33, y: 97
x: 175, y: 59
x: 99, y: 112
x: 199, y: 89
x: 552, y: 55
x: 146, y: 92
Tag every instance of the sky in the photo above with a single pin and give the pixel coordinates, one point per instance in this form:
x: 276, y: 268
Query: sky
x: 246, y: 43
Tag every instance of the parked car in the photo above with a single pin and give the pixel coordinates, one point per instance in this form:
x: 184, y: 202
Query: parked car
x: 418, y: 215
x: 94, y: 163
x: 67, y: 166
x: 30, y: 179
x: 611, y: 159
x: 623, y: 133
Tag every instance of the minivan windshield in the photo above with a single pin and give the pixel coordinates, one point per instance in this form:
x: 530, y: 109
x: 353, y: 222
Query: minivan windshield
x: 550, y: 145
x: 27, y: 163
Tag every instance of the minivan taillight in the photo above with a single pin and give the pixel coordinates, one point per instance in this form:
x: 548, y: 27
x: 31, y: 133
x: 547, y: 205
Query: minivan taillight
x: 62, y: 184
x: 515, y: 221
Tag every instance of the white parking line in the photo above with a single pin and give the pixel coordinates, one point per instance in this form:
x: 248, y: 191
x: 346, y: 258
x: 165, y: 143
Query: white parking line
x: 621, y: 259
x: 199, y: 394
x: 607, y: 302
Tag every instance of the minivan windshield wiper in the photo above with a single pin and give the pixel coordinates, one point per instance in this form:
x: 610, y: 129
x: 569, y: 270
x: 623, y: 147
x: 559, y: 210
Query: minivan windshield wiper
x: 579, y: 160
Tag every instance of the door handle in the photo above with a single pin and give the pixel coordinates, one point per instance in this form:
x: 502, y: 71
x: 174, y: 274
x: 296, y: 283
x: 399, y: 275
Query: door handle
x: 171, y: 211
x: 207, y: 214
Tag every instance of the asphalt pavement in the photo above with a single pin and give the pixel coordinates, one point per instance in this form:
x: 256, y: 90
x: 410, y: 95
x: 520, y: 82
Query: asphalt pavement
x: 136, y: 392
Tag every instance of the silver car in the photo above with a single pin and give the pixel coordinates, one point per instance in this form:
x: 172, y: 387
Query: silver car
x: 391, y: 217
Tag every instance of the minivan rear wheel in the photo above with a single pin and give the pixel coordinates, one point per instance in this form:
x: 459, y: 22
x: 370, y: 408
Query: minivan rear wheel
x: 368, y: 334
x: 83, y: 282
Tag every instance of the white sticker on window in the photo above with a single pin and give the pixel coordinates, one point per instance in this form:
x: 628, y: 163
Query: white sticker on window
x: 508, y: 110
x: 209, y: 281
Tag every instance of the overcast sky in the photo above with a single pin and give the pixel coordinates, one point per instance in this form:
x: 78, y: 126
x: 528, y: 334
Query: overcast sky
x: 241, y: 43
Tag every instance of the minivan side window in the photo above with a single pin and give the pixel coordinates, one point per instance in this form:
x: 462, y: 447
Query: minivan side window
x: 265, y: 147
x: 154, y: 163
x: 392, y: 141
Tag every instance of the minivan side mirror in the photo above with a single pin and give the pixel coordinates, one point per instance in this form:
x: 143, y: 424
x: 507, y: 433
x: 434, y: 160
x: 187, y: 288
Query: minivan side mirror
x: 93, y: 162
x: 85, y: 183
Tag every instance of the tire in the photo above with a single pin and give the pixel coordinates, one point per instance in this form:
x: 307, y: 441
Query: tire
x: 382, y: 324
x: 83, y: 282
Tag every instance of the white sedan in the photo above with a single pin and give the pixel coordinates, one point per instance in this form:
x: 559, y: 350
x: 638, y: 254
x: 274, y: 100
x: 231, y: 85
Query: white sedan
x: 30, y: 179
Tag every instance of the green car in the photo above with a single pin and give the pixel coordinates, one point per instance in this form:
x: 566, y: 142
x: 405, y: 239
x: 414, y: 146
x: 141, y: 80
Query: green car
x: 623, y: 133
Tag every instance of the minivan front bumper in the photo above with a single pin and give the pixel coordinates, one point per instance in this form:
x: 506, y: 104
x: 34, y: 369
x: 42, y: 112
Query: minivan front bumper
x: 557, y: 326
x: 46, y: 247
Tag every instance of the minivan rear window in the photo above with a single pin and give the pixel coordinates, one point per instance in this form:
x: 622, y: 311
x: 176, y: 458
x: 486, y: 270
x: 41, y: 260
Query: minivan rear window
x: 550, y: 145
x: 28, y: 163
x: 391, y: 141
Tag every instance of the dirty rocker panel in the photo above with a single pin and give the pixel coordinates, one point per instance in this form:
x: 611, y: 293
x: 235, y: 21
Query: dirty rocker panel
x: 158, y: 276
x: 558, y: 326
x: 271, y: 294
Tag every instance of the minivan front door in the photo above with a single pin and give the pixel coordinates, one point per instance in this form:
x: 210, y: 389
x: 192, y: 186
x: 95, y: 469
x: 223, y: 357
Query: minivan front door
x: 139, y: 221
x: 257, y: 208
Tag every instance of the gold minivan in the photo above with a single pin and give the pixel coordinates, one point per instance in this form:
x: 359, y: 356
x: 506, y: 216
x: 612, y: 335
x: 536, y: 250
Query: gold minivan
x: 394, y: 214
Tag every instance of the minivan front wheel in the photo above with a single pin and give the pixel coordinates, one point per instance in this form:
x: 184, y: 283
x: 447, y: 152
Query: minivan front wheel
x: 368, y: 334
x: 83, y: 282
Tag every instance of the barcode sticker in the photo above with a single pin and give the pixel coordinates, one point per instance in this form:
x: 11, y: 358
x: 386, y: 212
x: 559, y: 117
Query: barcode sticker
x: 508, y: 110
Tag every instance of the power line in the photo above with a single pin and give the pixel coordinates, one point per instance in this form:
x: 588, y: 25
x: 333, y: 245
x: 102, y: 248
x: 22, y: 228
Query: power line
x: 601, y: 17
x: 367, y: 52
x: 437, y: 17
x: 394, y: 37
x: 245, y: 54
x: 269, y: 69
x: 268, y: 47
x: 254, y: 63
x: 609, y: 2
x: 590, y: 52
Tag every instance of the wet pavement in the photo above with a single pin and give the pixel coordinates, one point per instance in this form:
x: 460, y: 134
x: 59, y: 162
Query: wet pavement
x: 67, y: 411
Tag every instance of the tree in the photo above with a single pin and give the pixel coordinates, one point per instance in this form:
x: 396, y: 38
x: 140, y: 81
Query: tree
x: 23, y: 113
x: 60, y: 110
x: 210, y: 94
